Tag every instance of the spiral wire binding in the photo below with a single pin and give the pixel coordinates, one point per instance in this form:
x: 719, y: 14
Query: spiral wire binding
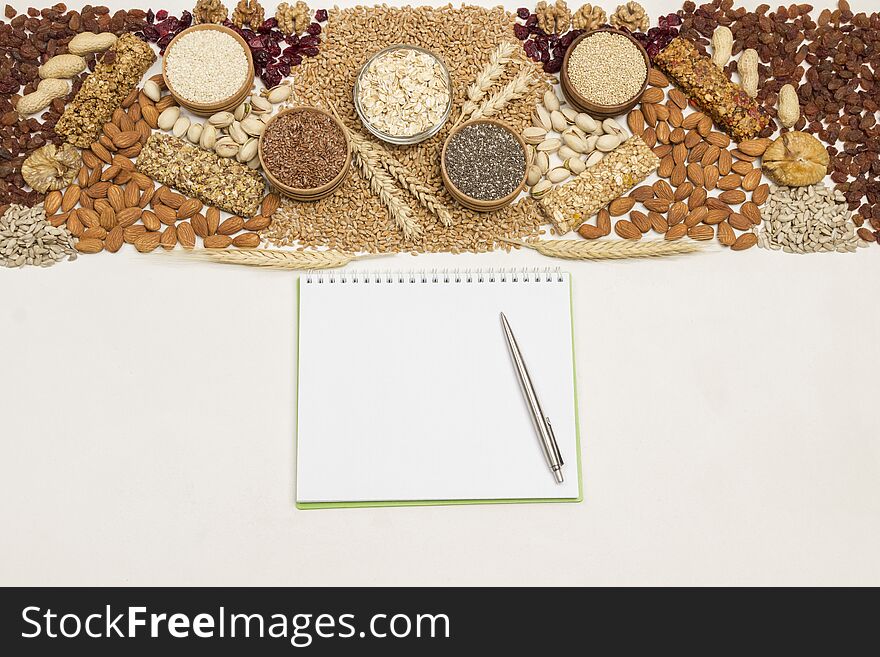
x: 522, y: 275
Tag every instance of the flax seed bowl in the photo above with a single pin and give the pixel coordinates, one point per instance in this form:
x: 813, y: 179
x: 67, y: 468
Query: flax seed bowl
x: 604, y: 73
x: 305, y: 153
x: 483, y: 164
x: 403, y: 94
x: 208, y: 68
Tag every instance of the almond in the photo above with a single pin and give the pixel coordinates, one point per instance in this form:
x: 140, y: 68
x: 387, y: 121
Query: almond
x: 185, y: 235
x: 200, y: 226
x: 128, y: 217
x: 649, y: 113
x: 640, y: 220
x: 618, y: 207
x: 662, y: 113
x: 189, y: 208
x: 271, y: 202
x: 667, y: 166
x: 88, y: 217
x: 127, y: 138
x: 90, y: 159
x: 150, y: 115
x: 677, y: 136
x: 107, y: 217
x: 716, y: 216
x: 710, y: 176
x: 116, y: 197
x: 662, y: 132
x: 717, y: 204
x: 692, y: 120
x: 627, y: 230
x: 742, y: 168
x: 95, y: 175
x: 725, y: 234
x: 751, y: 180
x: 744, y: 241
x: 738, y: 221
x: 131, y: 195
x: 677, y: 213
x: 679, y: 153
x: 760, y: 194
x: 131, y: 233
x: 718, y: 139
x: 234, y: 224
x: 678, y: 175
x: 683, y: 191
x: 94, y: 234
x: 710, y: 156
x: 98, y: 190
x: 82, y: 177
x: 663, y: 190
x: 74, y: 225
x: 695, y: 173
x: 704, y: 127
x: 658, y: 204
x: 652, y: 95
x: 725, y: 162
x: 58, y: 219
x: 86, y: 201
x: 171, y: 199
x: 142, y: 181
x: 257, y: 222
x: 657, y: 79
x: 212, y: 216
x: 110, y: 172
x: 658, y: 222
x: 752, y: 212
x: 143, y: 129
x: 701, y: 232
x: 733, y: 196
x: 676, y: 232
x: 70, y: 198
x: 636, y: 121
x: 693, y: 139
x: 131, y: 151
x: 101, y: 152
x: 676, y: 118
x: 151, y: 221
x: 115, y: 239
x: 603, y: 221
x: 169, y: 238
x: 739, y: 155
x: 730, y: 181
x: 696, y: 216
x: 90, y: 246
x: 642, y: 193
x: 147, y: 242
x: 247, y: 241
x: 649, y: 136
x: 585, y: 230
x: 107, y: 143
x: 217, y: 241
x: 663, y: 150
x: 697, y: 198
x: 166, y: 215
x: 697, y: 152
x: 52, y: 202
x: 754, y: 147
x: 146, y: 197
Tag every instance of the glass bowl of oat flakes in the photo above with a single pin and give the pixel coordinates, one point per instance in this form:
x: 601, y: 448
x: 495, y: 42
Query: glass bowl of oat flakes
x: 403, y: 94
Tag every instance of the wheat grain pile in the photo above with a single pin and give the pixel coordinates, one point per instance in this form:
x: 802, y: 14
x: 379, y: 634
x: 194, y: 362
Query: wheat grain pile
x: 353, y: 218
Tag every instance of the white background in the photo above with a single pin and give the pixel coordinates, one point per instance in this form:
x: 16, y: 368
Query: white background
x: 729, y: 408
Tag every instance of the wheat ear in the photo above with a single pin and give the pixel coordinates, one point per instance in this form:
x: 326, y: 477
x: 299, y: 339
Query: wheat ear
x: 271, y: 258
x: 607, y: 249
x: 421, y: 192
x: 382, y: 185
x: 488, y: 76
x: 516, y: 88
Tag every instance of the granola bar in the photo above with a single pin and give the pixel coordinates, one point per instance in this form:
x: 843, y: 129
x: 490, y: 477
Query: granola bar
x: 569, y: 205
x: 201, y: 174
x: 118, y: 72
x: 732, y: 109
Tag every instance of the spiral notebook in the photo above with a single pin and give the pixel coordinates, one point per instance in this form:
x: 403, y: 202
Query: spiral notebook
x: 407, y: 394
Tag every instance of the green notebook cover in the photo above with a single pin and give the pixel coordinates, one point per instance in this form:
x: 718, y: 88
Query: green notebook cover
x: 392, y: 503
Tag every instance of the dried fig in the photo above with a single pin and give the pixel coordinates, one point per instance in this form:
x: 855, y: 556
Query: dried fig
x: 796, y: 159
x: 51, y: 167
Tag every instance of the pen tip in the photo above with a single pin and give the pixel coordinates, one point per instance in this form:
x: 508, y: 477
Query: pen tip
x: 559, y: 478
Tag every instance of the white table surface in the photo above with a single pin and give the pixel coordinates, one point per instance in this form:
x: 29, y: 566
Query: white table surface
x: 729, y: 421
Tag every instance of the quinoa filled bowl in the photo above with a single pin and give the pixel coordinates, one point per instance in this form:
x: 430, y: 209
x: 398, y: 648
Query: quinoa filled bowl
x: 208, y: 68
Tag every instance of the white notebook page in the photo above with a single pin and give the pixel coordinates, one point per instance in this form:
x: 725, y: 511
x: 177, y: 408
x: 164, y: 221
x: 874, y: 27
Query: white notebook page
x: 407, y: 391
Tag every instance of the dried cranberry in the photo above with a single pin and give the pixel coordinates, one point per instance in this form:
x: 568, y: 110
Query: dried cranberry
x: 274, y: 49
x: 284, y: 68
x: 321, y: 15
x: 256, y: 42
x: 186, y: 20
x: 553, y: 66
x: 523, y: 13
x: 566, y: 40
x: 292, y: 40
x: 267, y: 26
x: 261, y: 57
x: 309, y: 42
x: 653, y: 50
x: 161, y: 15
x: 531, y: 49
x: 314, y: 29
x: 545, y: 56
x: 542, y: 42
x: 532, y: 20
x: 271, y: 78
x: 673, y: 19
x: 296, y: 60
x: 310, y: 52
x: 521, y: 32
x: 151, y: 33
x: 161, y: 29
x: 164, y: 41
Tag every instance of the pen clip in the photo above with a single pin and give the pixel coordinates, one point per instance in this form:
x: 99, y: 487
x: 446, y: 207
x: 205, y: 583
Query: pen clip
x: 553, y: 439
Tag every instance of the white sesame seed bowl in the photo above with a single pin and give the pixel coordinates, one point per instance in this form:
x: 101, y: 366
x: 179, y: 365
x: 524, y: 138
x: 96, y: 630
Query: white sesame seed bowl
x: 208, y: 68
x: 403, y: 94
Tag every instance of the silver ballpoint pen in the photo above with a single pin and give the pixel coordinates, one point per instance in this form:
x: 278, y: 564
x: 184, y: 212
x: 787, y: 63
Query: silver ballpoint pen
x: 541, y: 421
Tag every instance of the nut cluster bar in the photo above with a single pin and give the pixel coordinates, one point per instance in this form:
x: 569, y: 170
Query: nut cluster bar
x: 569, y: 205
x: 732, y: 109
x: 116, y: 74
x: 214, y: 180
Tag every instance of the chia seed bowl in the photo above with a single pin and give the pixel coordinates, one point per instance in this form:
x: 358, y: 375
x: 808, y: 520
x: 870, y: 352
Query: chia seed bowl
x: 386, y: 136
x: 499, y: 167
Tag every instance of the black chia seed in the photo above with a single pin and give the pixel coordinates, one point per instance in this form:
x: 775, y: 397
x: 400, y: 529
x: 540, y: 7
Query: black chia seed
x: 485, y: 161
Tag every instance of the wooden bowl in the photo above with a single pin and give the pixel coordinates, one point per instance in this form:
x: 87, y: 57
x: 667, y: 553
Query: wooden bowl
x: 479, y: 205
x: 315, y: 193
x: 577, y: 100
x: 228, y: 104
